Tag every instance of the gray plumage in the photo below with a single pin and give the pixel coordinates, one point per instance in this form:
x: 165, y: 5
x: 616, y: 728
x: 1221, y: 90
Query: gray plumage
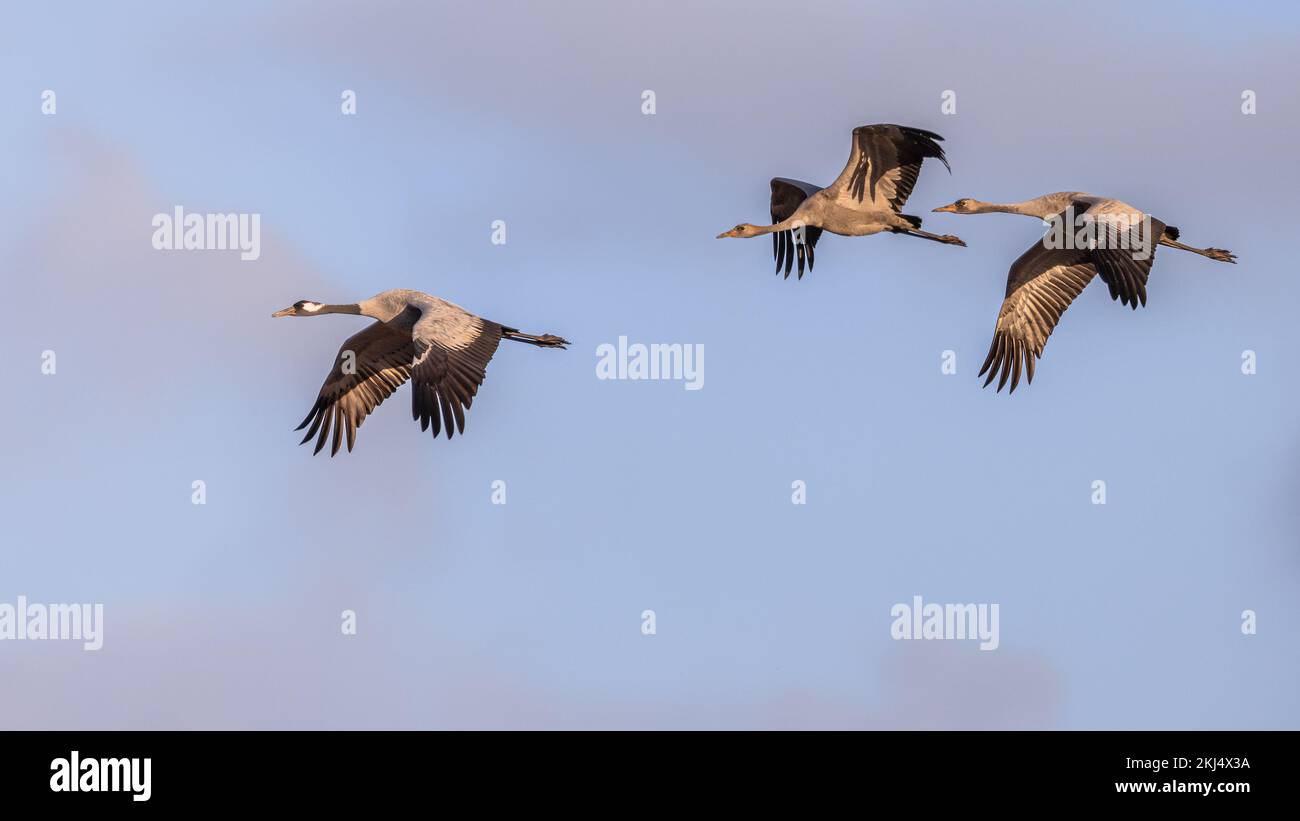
x: 1045, y: 280
x: 866, y: 198
x: 440, y: 347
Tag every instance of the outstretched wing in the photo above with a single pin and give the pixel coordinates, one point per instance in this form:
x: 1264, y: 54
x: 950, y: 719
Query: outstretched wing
x: 883, y: 165
x: 787, y: 196
x: 369, y: 366
x: 1126, y: 241
x: 1040, y: 286
x: 452, y: 350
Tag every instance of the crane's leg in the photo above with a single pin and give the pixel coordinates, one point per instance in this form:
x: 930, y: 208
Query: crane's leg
x: 1213, y: 253
x: 947, y: 239
x: 543, y: 341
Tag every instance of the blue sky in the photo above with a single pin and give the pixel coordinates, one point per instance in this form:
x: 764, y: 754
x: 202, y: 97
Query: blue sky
x: 626, y: 496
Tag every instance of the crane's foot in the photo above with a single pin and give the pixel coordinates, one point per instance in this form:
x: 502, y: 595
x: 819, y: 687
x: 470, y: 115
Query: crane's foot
x: 1221, y: 255
x: 951, y: 240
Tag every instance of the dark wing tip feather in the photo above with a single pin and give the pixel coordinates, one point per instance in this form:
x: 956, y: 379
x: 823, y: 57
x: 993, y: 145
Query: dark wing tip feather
x: 320, y: 440
x: 1008, y: 359
x: 988, y: 360
x: 1002, y: 365
x: 311, y: 413
x: 922, y: 132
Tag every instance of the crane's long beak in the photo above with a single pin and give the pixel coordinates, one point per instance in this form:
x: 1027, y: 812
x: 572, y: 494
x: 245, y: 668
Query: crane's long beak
x: 946, y: 209
x: 285, y: 312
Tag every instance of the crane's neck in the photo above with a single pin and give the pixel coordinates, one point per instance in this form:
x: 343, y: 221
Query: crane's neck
x: 1044, y: 207
x: 1028, y: 208
x: 783, y: 225
x: 354, y: 308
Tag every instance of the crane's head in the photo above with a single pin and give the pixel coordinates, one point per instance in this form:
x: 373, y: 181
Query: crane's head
x: 965, y: 205
x: 743, y: 230
x: 303, y: 307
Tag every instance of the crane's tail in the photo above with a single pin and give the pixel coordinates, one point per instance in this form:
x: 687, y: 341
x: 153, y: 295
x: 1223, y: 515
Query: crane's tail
x: 543, y: 341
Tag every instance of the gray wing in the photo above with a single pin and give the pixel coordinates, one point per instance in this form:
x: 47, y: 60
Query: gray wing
x: 1130, y: 230
x: 369, y: 366
x: 452, y: 350
x: 883, y: 165
x: 1040, y: 286
x: 787, y: 196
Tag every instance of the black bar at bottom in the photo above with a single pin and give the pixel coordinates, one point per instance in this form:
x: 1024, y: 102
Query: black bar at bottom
x: 335, y: 769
